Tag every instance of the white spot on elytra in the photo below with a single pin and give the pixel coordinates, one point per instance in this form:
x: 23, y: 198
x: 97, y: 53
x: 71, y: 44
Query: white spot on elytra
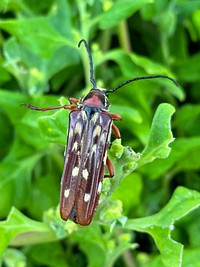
x: 70, y: 133
x: 97, y: 131
x: 100, y: 120
x: 105, y: 158
x: 75, y: 146
x: 84, y: 116
x: 97, y: 164
x: 78, y: 128
x: 78, y: 116
x: 75, y: 171
x: 95, y: 117
x: 103, y: 138
x: 85, y: 174
x: 66, y: 193
x: 99, y: 188
x: 94, y: 148
x: 86, y: 197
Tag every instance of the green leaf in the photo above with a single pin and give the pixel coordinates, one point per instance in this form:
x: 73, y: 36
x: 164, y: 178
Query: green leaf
x: 178, y: 158
x: 38, y: 41
x: 191, y: 257
x: 14, y: 257
x: 27, y: 31
x: 15, y: 182
x: 187, y: 118
x: 125, y: 161
x: 160, y: 135
x: 133, y: 64
x: 109, y: 211
x: 188, y: 69
x: 125, y: 188
x: 10, y: 103
x: 161, y: 224
x: 54, y: 128
x: 50, y: 254
x: 119, y: 11
x: 51, y: 128
x: 93, y: 243
x: 29, y: 58
x: 18, y: 227
x: 153, y: 68
x: 12, y: 5
x: 33, y: 70
x: 186, y: 8
x: 130, y: 113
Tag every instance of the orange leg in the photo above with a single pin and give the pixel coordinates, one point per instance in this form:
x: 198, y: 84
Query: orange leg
x: 70, y: 107
x: 116, y: 117
x: 116, y: 131
x: 110, y: 169
x: 73, y: 100
x: 114, y: 127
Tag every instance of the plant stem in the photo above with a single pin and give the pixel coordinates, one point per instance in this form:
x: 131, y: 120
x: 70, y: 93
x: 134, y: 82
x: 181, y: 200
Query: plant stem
x: 128, y: 259
x: 123, y: 34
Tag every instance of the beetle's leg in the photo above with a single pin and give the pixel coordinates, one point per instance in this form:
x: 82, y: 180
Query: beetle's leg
x: 116, y: 131
x: 116, y: 117
x: 110, y: 169
x: 114, y: 127
x: 73, y: 100
x: 70, y: 107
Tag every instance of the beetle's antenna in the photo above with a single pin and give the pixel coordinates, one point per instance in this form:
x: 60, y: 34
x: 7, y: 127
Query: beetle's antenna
x: 92, y: 80
x: 142, y: 78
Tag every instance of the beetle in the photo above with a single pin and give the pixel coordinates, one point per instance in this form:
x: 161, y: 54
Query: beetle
x: 89, y: 130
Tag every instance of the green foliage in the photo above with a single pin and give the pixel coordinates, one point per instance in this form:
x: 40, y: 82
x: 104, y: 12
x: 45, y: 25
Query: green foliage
x: 148, y: 203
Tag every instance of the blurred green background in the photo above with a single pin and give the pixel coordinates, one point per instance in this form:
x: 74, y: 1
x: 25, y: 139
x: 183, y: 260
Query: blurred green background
x: 41, y: 64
